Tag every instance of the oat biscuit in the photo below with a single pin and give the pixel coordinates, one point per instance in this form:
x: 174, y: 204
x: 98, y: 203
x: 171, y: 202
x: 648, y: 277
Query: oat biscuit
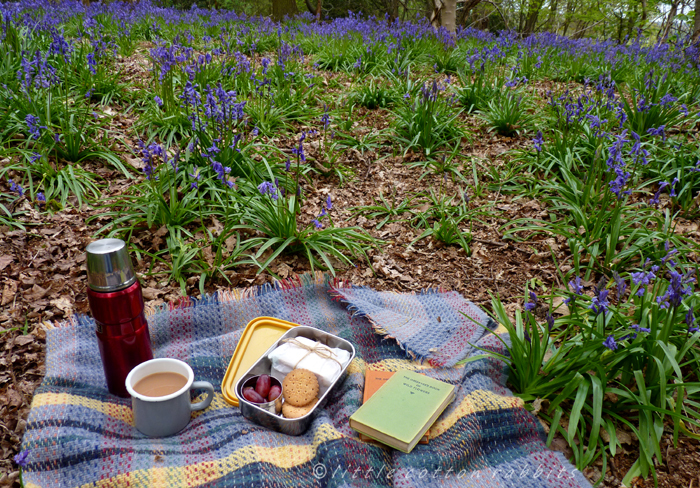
x: 291, y: 412
x: 300, y: 387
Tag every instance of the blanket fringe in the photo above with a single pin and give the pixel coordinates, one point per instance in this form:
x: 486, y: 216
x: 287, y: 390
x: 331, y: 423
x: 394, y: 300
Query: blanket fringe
x: 233, y: 295
x: 237, y: 294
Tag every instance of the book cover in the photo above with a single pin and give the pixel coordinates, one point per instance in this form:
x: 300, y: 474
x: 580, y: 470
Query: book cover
x: 400, y: 412
x: 375, y: 379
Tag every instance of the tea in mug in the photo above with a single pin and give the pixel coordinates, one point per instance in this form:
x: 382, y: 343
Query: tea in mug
x: 160, y: 384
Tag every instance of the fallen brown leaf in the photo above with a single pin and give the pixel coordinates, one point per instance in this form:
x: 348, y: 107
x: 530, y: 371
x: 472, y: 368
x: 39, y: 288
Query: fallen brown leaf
x: 36, y: 293
x: 64, y: 304
x: 151, y: 293
x: 23, y: 340
x: 9, y: 292
x: 5, y: 260
x: 559, y: 307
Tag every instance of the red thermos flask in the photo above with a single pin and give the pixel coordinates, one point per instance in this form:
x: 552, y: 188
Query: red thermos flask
x: 116, y: 303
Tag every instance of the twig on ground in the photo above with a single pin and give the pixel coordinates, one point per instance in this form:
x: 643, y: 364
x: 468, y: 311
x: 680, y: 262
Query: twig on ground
x: 494, y: 243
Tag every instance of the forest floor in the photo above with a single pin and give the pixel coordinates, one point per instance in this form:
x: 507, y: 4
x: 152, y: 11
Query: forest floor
x: 43, y: 274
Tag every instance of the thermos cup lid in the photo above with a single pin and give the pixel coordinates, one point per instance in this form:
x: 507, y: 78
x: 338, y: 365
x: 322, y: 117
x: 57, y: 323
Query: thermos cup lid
x: 109, y: 266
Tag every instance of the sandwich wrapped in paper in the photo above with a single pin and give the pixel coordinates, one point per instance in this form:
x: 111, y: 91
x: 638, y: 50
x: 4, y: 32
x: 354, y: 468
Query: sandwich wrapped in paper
x: 300, y: 352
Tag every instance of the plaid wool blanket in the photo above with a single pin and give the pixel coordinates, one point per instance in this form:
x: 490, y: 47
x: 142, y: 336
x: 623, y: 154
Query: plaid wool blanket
x: 80, y: 435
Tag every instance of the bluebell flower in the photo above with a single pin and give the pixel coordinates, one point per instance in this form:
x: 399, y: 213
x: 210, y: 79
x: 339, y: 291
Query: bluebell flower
x: 550, y: 321
x: 621, y: 115
x: 158, y: 100
x: 615, y: 151
x: 644, y: 105
x: 669, y: 254
x: 655, y: 199
x: 218, y: 169
x: 621, y: 286
x: 667, y: 99
x: 214, y: 149
x: 595, y: 121
x: 672, y: 193
x: 538, y: 141
x: 317, y: 224
x: 21, y: 459
x: 600, y: 302
x: 619, y: 182
x: 329, y: 203
x: 576, y: 288
x: 40, y: 198
x: 149, y: 153
x: 531, y: 305
x: 267, y: 188
x: 642, y: 279
x: 690, y: 320
x: 678, y: 287
x: 14, y: 187
x: 639, y: 329
x: 59, y: 45
x: 91, y: 63
x: 197, y: 176
x: 33, y: 125
x: 638, y: 153
x: 325, y: 118
x: 659, y: 131
x: 610, y: 343
x: 299, y: 150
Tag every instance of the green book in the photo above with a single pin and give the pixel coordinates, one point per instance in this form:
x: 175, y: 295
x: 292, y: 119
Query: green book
x: 403, y: 409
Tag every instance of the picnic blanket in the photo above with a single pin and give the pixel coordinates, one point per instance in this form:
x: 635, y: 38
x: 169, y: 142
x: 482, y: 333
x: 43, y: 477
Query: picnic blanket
x: 80, y: 435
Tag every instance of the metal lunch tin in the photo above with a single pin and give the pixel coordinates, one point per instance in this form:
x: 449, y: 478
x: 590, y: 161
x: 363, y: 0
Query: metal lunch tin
x: 278, y: 423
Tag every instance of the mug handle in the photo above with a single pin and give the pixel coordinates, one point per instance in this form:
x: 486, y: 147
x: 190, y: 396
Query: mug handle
x: 202, y: 385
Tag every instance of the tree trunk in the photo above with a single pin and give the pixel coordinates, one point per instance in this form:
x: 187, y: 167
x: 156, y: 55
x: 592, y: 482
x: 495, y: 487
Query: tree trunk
x: 668, y: 23
x: 319, y: 3
x: 449, y: 14
x: 392, y: 8
x: 620, y: 28
x: 467, y: 7
x: 282, y: 8
x: 436, y: 14
x: 552, y: 15
x: 696, y: 24
x: 632, y: 22
x: 570, y: 8
x: 521, y: 16
x: 532, y: 15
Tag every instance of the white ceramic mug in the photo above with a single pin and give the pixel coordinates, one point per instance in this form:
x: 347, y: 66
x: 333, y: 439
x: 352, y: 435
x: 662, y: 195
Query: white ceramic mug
x: 165, y: 415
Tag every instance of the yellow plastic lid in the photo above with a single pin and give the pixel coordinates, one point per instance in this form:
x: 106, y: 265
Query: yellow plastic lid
x: 258, y: 336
